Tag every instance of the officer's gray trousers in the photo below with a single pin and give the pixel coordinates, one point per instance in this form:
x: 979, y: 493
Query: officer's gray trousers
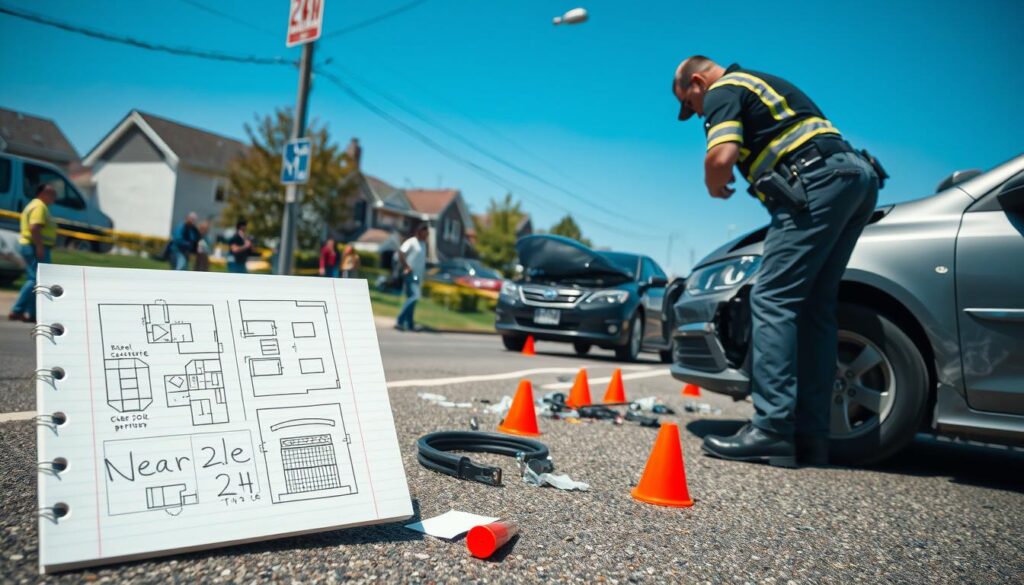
x: 793, y: 303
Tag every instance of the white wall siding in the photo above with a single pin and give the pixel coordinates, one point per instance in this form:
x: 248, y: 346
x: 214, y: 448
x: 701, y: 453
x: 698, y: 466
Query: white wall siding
x: 194, y: 192
x: 138, y: 196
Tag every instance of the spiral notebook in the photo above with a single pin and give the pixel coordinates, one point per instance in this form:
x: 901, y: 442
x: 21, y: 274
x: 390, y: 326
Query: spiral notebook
x: 182, y: 411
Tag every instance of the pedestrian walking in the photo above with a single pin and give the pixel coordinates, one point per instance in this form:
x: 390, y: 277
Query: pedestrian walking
x: 329, y: 258
x: 37, y: 237
x: 412, y: 258
x: 184, y: 241
x: 239, y: 248
x: 202, y: 262
x: 349, y: 262
x: 820, y: 193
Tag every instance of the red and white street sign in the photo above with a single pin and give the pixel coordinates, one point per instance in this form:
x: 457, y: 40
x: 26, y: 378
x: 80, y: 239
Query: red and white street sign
x: 305, y: 21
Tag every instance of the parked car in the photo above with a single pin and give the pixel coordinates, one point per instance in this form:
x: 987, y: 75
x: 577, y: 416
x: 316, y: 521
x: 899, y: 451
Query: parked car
x: 573, y: 294
x: 19, y: 178
x: 467, y: 272
x: 12, y: 265
x: 931, y: 320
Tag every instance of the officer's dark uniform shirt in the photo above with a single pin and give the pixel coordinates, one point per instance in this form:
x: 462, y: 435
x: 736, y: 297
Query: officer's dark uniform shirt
x: 768, y: 116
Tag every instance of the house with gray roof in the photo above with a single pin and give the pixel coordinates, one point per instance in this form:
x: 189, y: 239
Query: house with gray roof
x: 149, y: 172
x: 38, y: 138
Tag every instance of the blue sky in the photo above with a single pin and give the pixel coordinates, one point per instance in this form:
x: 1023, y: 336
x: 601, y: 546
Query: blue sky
x: 929, y: 87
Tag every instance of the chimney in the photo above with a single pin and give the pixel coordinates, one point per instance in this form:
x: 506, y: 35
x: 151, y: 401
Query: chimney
x: 355, y: 153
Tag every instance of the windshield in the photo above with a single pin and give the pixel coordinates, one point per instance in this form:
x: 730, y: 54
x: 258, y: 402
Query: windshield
x: 627, y: 262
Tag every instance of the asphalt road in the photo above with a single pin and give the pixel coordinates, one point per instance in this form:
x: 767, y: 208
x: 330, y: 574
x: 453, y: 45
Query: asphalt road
x: 938, y: 513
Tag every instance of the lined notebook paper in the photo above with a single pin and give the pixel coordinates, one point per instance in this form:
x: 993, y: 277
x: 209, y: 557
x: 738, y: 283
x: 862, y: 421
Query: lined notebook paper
x: 182, y: 411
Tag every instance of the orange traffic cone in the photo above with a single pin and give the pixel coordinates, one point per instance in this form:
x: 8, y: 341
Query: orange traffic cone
x: 692, y: 390
x: 521, y: 418
x: 664, y: 480
x: 615, y: 392
x: 528, y: 346
x: 580, y: 393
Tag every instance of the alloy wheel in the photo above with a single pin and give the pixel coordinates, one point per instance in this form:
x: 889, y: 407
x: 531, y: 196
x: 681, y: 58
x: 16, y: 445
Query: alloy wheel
x: 864, y: 388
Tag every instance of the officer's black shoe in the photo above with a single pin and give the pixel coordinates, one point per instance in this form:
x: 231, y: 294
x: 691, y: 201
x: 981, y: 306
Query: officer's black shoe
x: 753, y: 444
x: 812, y: 450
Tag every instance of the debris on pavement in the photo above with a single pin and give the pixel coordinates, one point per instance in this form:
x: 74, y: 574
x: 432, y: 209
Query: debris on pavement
x: 701, y: 408
x: 500, y: 407
x: 560, y: 481
x: 451, y: 524
x: 650, y: 404
x: 442, y: 400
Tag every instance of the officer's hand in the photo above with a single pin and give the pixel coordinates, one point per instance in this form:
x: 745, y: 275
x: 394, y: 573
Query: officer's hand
x: 724, y: 192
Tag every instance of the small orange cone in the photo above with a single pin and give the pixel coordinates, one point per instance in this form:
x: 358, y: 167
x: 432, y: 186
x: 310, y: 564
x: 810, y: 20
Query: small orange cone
x: 521, y: 418
x: 615, y: 392
x: 528, y: 346
x: 664, y: 480
x: 691, y: 390
x: 580, y: 393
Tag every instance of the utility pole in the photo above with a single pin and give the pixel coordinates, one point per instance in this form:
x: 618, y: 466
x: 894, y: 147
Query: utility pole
x: 293, y: 192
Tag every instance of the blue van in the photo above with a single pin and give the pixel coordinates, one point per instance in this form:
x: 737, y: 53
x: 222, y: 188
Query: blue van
x: 19, y: 178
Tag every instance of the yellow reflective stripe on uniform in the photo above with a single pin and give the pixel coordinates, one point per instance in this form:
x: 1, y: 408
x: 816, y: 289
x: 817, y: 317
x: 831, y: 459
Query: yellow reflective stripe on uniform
x: 777, y: 104
x: 731, y: 131
x: 744, y: 153
x: 787, y: 142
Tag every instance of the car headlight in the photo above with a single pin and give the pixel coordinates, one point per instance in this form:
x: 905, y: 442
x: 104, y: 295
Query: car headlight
x: 723, y: 275
x: 509, y: 289
x: 610, y: 297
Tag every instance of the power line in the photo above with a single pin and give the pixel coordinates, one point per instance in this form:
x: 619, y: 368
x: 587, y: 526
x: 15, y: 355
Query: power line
x: 373, y: 20
x: 482, y: 150
x: 487, y: 173
x: 226, y: 16
x: 124, y: 40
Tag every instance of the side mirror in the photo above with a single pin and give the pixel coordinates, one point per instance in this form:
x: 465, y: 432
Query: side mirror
x: 657, y: 281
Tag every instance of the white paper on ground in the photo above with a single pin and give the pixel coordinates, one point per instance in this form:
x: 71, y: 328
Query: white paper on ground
x: 450, y: 524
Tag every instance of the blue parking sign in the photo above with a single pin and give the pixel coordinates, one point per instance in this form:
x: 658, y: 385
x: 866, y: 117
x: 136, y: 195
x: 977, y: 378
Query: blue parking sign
x: 295, y: 164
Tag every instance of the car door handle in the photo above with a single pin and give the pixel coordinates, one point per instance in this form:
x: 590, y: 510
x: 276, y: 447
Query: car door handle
x: 997, y: 314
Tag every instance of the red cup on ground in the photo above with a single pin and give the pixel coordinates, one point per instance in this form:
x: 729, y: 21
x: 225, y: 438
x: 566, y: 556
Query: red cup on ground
x: 483, y: 540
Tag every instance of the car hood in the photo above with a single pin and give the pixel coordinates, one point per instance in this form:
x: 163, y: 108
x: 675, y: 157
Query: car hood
x: 555, y: 256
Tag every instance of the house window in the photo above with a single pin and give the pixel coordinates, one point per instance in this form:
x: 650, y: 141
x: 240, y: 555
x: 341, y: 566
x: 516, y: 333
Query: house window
x: 452, y: 229
x: 220, y: 193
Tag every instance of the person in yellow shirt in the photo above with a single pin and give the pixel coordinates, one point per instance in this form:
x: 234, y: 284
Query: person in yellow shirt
x: 38, y: 235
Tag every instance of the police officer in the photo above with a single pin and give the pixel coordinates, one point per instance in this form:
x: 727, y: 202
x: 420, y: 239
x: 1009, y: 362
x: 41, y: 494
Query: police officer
x: 820, y: 194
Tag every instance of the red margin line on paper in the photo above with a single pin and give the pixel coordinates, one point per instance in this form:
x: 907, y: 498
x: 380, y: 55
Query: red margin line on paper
x: 92, y: 404
x: 355, y: 403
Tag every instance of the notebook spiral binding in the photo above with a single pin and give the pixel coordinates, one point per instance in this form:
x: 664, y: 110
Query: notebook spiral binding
x: 54, y: 513
x: 51, y: 421
x: 47, y: 331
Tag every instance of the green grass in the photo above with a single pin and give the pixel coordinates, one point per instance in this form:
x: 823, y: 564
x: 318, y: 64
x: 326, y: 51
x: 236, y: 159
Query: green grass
x: 428, y: 312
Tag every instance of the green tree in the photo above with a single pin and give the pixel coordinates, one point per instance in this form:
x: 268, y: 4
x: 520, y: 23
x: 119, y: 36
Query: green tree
x: 256, y: 193
x: 567, y: 227
x: 496, y: 235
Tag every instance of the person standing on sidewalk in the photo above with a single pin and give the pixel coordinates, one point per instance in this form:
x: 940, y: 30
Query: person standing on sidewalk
x: 239, y: 248
x: 412, y: 258
x: 329, y: 258
x: 820, y: 193
x: 38, y: 236
x: 349, y: 262
x: 202, y: 263
x: 184, y: 242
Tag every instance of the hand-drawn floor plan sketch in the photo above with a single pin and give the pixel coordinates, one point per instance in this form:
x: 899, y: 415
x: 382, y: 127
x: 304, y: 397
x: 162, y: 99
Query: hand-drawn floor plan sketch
x: 286, y: 347
x: 176, y: 344
x: 171, y: 472
x: 307, y: 452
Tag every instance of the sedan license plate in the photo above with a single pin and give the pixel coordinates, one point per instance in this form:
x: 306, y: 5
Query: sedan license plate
x: 547, y: 316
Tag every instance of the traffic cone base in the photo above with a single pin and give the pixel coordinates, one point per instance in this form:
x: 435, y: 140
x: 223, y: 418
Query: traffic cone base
x: 580, y: 393
x: 616, y: 393
x: 521, y: 418
x: 664, y: 480
x: 528, y: 346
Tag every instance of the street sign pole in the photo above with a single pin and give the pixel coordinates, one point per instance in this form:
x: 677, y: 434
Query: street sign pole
x: 293, y: 192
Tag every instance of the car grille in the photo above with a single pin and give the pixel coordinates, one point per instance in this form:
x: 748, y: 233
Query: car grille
x: 693, y: 352
x: 562, y: 296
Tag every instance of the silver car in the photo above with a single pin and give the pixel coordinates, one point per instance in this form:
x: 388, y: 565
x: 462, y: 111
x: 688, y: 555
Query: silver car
x: 931, y: 320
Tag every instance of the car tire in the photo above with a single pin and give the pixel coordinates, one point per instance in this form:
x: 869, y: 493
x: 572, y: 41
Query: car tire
x: 514, y: 342
x: 898, y: 370
x: 631, y: 350
x: 581, y: 348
